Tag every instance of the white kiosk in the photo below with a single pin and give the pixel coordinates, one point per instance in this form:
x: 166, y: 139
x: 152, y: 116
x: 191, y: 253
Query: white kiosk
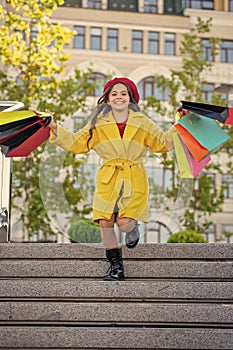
x: 5, y: 178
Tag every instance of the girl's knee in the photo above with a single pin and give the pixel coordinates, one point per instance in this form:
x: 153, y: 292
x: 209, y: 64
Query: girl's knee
x: 125, y: 224
x: 106, y: 223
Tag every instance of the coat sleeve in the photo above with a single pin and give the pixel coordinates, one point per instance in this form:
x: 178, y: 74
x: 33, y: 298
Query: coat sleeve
x: 70, y: 141
x: 160, y: 141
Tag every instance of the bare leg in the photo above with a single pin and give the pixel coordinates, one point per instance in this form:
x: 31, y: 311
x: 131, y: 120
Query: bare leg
x: 126, y: 224
x: 113, y: 253
x: 130, y: 227
x: 108, y: 234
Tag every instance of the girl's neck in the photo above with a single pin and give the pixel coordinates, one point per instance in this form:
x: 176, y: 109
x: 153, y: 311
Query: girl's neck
x: 120, y: 117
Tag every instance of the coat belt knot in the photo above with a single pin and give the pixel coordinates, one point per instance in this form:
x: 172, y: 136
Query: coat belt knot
x: 124, y: 174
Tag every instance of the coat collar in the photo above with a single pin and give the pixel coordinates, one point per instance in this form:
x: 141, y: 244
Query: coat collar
x: 134, y: 119
x: 112, y: 133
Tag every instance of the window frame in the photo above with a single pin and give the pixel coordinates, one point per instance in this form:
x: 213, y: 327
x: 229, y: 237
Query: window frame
x: 79, y: 36
x: 137, y: 40
x: 227, y: 181
x: 226, y: 52
x: 150, y: 8
x: 202, y: 6
x: 113, y: 39
x: 169, y: 44
x: 148, y: 88
x: 153, y: 42
x: 94, y: 38
x: 94, y: 4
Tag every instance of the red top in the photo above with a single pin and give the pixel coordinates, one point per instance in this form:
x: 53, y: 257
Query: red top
x: 121, y: 127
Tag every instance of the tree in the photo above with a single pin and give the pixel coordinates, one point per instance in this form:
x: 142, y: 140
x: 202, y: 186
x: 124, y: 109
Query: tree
x: 33, y: 62
x: 188, y: 81
x: 84, y: 231
x: 188, y: 236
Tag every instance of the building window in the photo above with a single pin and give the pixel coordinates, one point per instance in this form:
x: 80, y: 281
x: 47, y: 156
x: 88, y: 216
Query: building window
x: 231, y: 5
x: 153, y: 44
x: 169, y: 44
x: 122, y: 5
x: 72, y: 3
x: 227, y: 182
x: 151, y: 6
x: 148, y: 87
x: 226, y: 51
x: 157, y: 232
x: 207, y: 92
x: 79, y: 38
x: 112, y: 39
x: 227, y: 233
x: 198, y: 4
x: 172, y: 7
x: 94, y: 4
x: 96, y: 36
x: 207, y: 48
x: 210, y: 234
x: 137, y: 41
x: 99, y: 80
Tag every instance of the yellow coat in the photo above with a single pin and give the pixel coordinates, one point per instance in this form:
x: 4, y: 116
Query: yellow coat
x: 122, y: 178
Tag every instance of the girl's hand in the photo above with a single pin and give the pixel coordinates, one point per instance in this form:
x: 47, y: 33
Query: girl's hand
x: 52, y: 124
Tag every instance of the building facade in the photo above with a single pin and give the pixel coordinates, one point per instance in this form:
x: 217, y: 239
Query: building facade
x: 140, y: 39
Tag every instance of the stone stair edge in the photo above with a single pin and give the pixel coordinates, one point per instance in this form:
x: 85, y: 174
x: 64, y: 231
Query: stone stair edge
x: 74, y: 289
x: 77, y: 268
x: 204, y: 251
x: 111, y: 313
x: 115, y: 338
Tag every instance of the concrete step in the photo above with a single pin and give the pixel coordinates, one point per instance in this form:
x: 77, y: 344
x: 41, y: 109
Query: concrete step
x: 175, y: 296
x: 79, y: 290
x: 207, y: 251
x: 149, y: 269
x: 16, y: 337
x: 117, y: 313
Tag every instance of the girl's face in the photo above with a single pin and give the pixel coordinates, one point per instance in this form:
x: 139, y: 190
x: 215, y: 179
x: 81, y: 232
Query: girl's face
x: 119, y: 98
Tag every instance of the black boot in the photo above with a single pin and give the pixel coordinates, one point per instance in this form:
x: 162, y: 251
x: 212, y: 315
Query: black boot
x: 116, y: 269
x: 132, y: 237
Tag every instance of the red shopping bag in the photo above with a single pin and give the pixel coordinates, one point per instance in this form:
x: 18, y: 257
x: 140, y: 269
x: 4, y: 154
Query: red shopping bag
x: 26, y: 141
x: 30, y: 144
x: 7, y: 131
x: 22, y: 131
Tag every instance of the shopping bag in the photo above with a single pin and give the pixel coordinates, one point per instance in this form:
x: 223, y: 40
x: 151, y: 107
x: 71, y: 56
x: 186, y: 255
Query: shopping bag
x: 24, y: 143
x: 196, y: 149
x: 188, y: 166
x: 9, y: 117
x: 18, y: 136
x: 14, y: 128
x: 30, y: 144
x: 207, y: 133
x: 222, y: 114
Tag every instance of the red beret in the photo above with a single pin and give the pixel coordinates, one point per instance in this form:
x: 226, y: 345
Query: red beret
x: 127, y: 82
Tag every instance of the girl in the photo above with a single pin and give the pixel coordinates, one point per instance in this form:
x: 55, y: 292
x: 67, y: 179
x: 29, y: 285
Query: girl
x: 121, y: 135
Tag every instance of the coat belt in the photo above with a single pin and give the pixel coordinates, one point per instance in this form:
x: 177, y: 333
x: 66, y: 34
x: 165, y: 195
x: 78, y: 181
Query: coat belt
x: 123, y: 167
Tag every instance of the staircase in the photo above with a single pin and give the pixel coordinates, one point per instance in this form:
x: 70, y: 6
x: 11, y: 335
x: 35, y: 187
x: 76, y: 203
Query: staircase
x: 176, y: 296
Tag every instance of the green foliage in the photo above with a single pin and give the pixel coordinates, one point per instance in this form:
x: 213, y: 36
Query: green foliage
x: 84, y: 231
x: 33, y: 72
x: 188, y: 236
x: 188, y: 82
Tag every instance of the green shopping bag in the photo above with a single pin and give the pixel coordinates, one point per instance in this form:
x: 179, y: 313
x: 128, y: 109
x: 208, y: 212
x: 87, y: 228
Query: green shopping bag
x: 188, y: 167
x: 203, y: 131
